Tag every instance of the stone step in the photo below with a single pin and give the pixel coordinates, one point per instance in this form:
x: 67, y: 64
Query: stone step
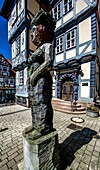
x: 69, y: 111
x: 65, y: 106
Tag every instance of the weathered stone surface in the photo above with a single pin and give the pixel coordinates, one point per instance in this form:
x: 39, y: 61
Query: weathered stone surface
x: 42, y: 153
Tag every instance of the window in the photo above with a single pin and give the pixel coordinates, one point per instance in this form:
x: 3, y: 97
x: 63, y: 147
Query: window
x: 67, y: 5
x: 11, y: 81
x: 59, y: 44
x: 4, y: 69
x: 6, y: 81
x: 57, y: 12
x: 71, y: 39
x: 18, y: 45
x: 21, y: 78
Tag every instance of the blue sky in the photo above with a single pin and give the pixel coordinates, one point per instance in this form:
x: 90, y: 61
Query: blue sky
x: 5, y: 47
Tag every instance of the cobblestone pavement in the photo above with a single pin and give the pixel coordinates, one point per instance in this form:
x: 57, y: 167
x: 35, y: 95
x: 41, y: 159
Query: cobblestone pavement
x: 80, y: 148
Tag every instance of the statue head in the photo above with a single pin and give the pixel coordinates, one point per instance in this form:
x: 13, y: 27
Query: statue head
x: 42, y: 30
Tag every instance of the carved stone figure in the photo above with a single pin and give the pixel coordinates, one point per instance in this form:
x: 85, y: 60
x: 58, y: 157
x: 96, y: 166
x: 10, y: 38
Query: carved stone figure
x: 40, y: 80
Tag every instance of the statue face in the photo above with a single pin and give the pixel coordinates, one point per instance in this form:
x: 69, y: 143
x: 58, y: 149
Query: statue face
x: 35, y: 35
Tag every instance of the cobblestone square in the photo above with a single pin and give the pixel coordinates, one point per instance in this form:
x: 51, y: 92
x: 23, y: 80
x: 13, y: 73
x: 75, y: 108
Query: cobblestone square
x: 79, y: 148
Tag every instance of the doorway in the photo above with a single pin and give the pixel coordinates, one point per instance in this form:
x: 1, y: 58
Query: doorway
x: 67, y: 90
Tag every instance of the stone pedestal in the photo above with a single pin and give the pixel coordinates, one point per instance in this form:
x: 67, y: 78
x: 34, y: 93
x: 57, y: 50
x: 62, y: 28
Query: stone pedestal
x: 42, y: 153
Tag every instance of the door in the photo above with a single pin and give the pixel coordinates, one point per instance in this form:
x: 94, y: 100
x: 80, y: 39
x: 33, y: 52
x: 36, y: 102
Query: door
x: 67, y: 90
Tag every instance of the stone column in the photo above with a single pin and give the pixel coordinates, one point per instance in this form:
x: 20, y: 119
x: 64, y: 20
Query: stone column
x: 41, y: 153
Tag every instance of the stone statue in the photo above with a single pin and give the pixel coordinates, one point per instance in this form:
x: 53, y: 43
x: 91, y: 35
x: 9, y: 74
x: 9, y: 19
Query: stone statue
x: 40, y: 80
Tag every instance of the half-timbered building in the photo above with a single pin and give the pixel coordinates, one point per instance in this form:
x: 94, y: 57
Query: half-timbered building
x: 7, y: 81
x: 75, y: 50
x: 19, y: 14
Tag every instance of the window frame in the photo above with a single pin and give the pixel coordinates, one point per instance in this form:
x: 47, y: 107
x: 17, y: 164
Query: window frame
x: 60, y: 45
x: 58, y: 12
x: 18, y: 45
x: 21, y: 77
x: 68, y: 6
x: 71, y: 39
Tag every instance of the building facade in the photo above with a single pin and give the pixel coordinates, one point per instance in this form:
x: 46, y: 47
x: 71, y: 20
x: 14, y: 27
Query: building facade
x: 7, y: 80
x: 75, y: 50
x: 19, y: 14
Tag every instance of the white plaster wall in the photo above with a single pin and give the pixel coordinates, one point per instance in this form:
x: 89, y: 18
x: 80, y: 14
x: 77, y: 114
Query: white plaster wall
x: 71, y: 53
x: 22, y: 7
x: 23, y: 40
x: 80, y: 5
x: 85, y: 31
x: 86, y: 70
x: 59, y: 57
x: 58, y: 23
x: 13, y: 48
x: 17, y: 78
x: 68, y: 16
x: 85, y: 90
x: 81, y: 49
x: 25, y: 75
x: 88, y: 49
x: 53, y: 93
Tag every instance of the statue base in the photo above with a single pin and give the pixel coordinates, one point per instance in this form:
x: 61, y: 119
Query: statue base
x: 41, y: 153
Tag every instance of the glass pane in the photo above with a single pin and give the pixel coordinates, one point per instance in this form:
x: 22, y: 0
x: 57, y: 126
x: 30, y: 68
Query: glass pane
x: 57, y: 41
x: 60, y: 47
x: 70, y: 5
x: 58, y: 7
x: 61, y: 40
x: 55, y: 10
x: 72, y: 42
x: 68, y: 44
x: 57, y: 49
x: 59, y: 14
x: 65, y: 1
x: 68, y: 36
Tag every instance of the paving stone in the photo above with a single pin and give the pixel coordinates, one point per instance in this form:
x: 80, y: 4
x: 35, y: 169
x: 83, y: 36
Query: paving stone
x: 83, y: 166
x: 74, y: 165
x: 3, y: 162
x: 93, y: 166
x: 95, y: 153
x: 86, y: 159
x: 90, y: 148
x: 19, y: 157
x: 12, y: 151
x: 94, y: 159
x: 80, y: 143
x: 11, y: 163
x: 4, y: 167
x: 12, y: 156
x: 3, y: 156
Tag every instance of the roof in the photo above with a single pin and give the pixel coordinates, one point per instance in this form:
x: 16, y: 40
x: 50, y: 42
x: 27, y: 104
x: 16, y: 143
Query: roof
x: 9, y: 4
x: 9, y: 61
x: 7, y: 8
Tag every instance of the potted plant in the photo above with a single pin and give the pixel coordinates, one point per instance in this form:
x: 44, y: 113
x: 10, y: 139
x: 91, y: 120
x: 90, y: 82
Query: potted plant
x: 92, y: 111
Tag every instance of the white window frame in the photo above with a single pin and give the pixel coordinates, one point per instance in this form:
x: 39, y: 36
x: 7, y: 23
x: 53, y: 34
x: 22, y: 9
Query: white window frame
x: 66, y: 6
x: 21, y: 77
x: 5, y: 69
x: 57, y: 14
x: 59, y: 44
x: 18, y: 45
x: 71, y: 38
x: 20, y: 6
